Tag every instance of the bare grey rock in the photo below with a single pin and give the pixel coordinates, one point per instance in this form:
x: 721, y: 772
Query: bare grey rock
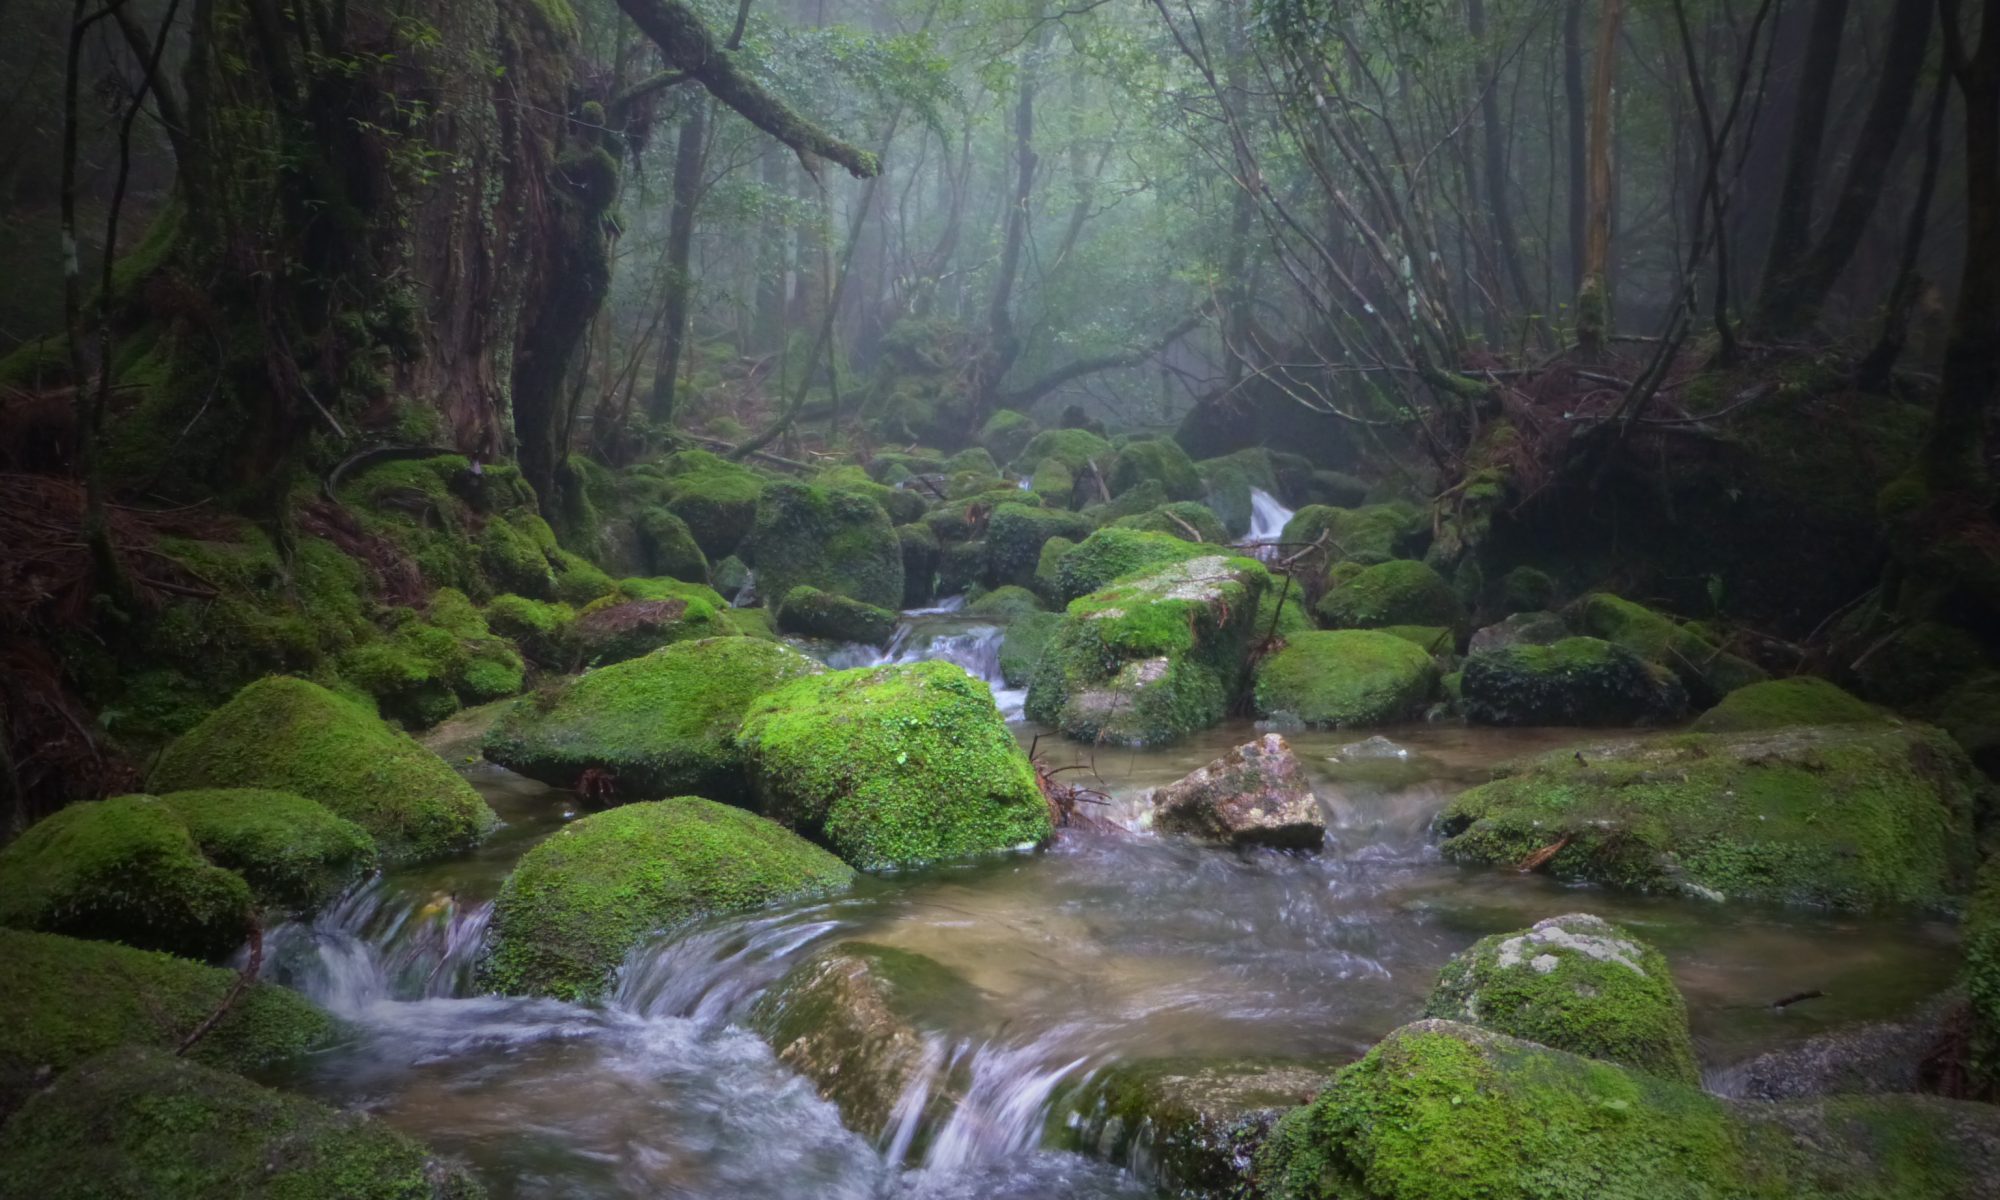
x: 1255, y: 795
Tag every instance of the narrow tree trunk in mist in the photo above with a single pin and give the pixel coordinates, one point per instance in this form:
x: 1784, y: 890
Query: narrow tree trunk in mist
x: 1495, y: 166
x: 768, y: 326
x: 1874, y: 372
x: 1576, y: 112
x: 1791, y: 232
x: 688, y: 154
x: 1954, y: 455
x: 1790, y: 303
x: 1242, y: 212
x: 1593, y: 299
x: 1003, y: 345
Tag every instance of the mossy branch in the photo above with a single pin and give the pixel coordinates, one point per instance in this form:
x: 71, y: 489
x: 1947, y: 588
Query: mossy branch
x: 687, y: 45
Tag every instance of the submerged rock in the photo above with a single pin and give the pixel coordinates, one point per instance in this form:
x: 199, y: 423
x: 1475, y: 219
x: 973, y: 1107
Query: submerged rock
x: 893, y: 766
x: 660, y: 725
x: 1255, y: 795
x: 809, y: 612
x: 1575, y: 983
x: 854, y: 1018
x: 1446, y: 1111
x: 1849, y: 817
x: 1576, y: 681
x: 1189, y: 1127
x: 1153, y: 658
x: 578, y: 902
x: 1340, y: 679
x: 67, y: 999
x: 142, y: 1124
x: 1860, y: 1059
x: 294, y: 736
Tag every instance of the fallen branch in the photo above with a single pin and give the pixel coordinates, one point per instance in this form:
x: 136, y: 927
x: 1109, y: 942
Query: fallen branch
x: 244, y: 979
x: 1540, y: 858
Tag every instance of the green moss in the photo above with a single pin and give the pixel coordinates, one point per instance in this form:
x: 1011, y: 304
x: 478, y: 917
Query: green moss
x: 1229, y: 481
x: 68, y: 999
x: 1434, y: 640
x: 540, y: 628
x: 1005, y: 604
x: 1982, y: 976
x: 1282, y: 612
x: 1345, y: 679
x: 1006, y: 434
x: 291, y: 735
x: 893, y: 766
x: 1054, y: 483
x: 902, y: 506
x: 667, y: 547
x: 578, y: 581
x: 960, y: 567
x: 1112, y: 553
x: 1574, y: 983
x: 1141, y: 498
x: 36, y: 366
x: 920, y: 564
x: 1048, y: 564
x: 1849, y: 816
x: 514, y: 563
x: 149, y: 1124
x: 1705, y: 669
x: 1804, y: 700
x: 753, y: 622
x: 1918, y: 663
x: 1015, y: 535
x: 123, y: 870
x: 1374, y: 533
x: 716, y: 498
x: 1153, y: 658
x: 295, y: 855
x: 1576, y: 681
x: 1160, y: 460
x: 1021, y: 649
x: 832, y: 540
x: 578, y: 902
x: 659, y: 725
x: 1186, y: 520
x: 1073, y: 448
x: 658, y: 612
x: 1525, y: 589
x: 809, y: 612
x: 976, y: 459
x: 1398, y: 592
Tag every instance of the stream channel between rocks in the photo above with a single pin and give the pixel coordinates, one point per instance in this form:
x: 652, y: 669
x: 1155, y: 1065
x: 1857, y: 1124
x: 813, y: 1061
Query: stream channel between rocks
x: 1105, y: 947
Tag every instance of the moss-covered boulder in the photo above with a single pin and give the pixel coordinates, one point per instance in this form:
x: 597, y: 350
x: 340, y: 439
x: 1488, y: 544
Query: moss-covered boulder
x: 1153, y: 658
x: 667, y: 611
x: 1015, y: 535
x: 859, y: 1020
x: 1021, y: 648
x: 67, y: 999
x: 490, y: 668
x: 834, y: 541
x: 123, y: 870
x: 1185, y: 519
x: 540, y: 628
x: 1446, y: 1111
x: 715, y: 498
x: 1231, y: 479
x: 1189, y: 1127
x: 1775, y: 703
x: 578, y: 902
x: 920, y: 564
x: 1053, y: 483
x: 1397, y: 592
x: 661, y: 725
x: 1141, y: 497
x: 1575, y: 983
x: 1536, y: 628
x: 1376, y: 533
x: 1526, y: 589
x: 141, y: 1123
x: 893, y: 766
x: 1007, y: 433
x: 667, y: 546
x: 1112, y: 553
x: 1160, y: 460
x: 1982, y: 975
x: 1004, y: 604
x: 1076, y: 449
x: 1848, y: 817
x: 293, y: 736
x: 1344, y: 679
x: 1577, y: 681
x: 1283, y: 612
x: 961, y: 565
x: 1916, y: 663
x: 1706, y: 670
x: 809, y: 612
x: 901, y: 505
x: 295, y: 854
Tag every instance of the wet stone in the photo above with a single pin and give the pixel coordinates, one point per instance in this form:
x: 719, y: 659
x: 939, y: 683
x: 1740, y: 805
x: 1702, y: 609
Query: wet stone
x: 1255, y: 795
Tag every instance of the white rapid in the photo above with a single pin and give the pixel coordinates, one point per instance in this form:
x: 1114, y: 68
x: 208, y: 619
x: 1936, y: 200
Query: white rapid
x: 936, y: 634
x: 1268, y: 518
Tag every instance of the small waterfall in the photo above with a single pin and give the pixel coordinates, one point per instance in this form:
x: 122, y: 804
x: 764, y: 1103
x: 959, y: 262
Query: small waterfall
x: 974, y: 649
x: 1268, y: 519
x: 710, y: 974
x: 1006, y: 1099
x: 376, y: 945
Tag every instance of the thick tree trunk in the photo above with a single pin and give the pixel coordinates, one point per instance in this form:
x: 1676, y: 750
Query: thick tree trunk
x: 1791, y: 232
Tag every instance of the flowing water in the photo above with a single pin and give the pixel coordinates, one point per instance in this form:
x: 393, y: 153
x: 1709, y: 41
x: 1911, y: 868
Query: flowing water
x: 1108, y: 946
x: 1268, y: 518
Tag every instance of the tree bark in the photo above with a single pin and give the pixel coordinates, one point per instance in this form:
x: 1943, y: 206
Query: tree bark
x: 1577, y: 111
x: 1874, y: 372
x: 1593, y: 300
x: 689, y: 153
x: 1791, y: 233
x: 1494, y: 145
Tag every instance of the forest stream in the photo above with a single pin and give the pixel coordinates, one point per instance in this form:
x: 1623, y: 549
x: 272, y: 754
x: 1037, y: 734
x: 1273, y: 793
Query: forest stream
x: 1107, y: 946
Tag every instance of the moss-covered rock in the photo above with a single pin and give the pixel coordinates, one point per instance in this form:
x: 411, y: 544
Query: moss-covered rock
x: 920, y: 564
x: 1021, y: 649
x: 1015, y: 535
x: 857, y: 1020
x: 123, y: 870
x: 1053, y: 483
x: 1398, y: 592
x: 902, y: 506
x: 143, y: 1123
x: 1445, y: 1111
x: 809, y: 612
x: 540, y: 628
x: 1706, y: 670
x: 1076, y: 449
x: 1577, y: 681
x: 1575, y: 983
x: 1186, y: 520
x: 834, y: 541
x: 1849, y: 816
x: 1187, y: 1126
x: 1917, y: 663
x: 1376, y: 533
x: 1109, y: 554
x: 489, y: 668
x: 1526, y: 589
x: 663, y: 612
x: 660, y: 725
x: 1775, y: 703
x: 1047, y: 567
x: 668, y: 547
x: 1153, y: 658
x: 893, y: 766
x: 1229, y: 481
x: 1283, y: 612
x: 1158, y: 459
x: 1982, y: 975
x: 294, y: 736
x: 1344, y: 679
x: 715, y: 498
x: 1004, y: 604
x: 960, y: 567
x: 294, y: 853
x: 1141, y: 497
x: 1517, y: 629
x: 67, y: 999
x: 581, y: 900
